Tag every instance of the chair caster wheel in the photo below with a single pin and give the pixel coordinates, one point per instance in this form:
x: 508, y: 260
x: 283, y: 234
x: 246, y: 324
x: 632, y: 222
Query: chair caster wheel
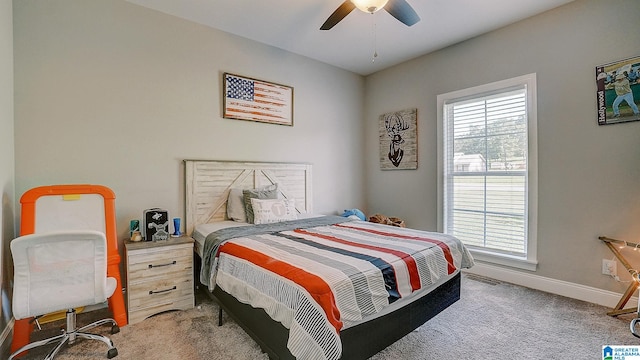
x: 115, y: 329
x: 113, y: 352
x: 632, y: 326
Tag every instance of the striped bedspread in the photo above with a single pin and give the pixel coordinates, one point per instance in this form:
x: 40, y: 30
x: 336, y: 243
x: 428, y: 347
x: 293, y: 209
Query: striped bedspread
x: 317, y: 277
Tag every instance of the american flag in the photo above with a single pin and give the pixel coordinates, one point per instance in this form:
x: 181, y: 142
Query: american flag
x: 250, y: 99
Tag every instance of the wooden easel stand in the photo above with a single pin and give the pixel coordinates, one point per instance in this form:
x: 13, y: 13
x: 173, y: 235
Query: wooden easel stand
x: 619, y: 308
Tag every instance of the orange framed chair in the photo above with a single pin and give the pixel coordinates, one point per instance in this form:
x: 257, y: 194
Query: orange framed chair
x: 72, y: 207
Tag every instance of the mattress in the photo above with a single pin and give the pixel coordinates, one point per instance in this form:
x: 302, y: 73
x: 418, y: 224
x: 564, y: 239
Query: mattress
x: 399, y: 266
x: 201, y: 232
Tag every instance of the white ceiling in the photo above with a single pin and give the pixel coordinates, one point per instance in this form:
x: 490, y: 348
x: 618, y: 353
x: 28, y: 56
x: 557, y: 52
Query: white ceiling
x: 293, y: 25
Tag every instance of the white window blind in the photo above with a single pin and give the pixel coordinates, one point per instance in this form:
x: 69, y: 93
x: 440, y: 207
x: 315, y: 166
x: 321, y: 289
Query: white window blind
x: 485, y: 170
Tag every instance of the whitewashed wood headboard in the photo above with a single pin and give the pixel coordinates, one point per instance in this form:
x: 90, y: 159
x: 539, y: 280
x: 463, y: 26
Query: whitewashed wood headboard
x: 207, y: 185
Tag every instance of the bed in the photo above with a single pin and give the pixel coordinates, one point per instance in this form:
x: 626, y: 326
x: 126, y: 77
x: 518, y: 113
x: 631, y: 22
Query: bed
x: 308, y: 286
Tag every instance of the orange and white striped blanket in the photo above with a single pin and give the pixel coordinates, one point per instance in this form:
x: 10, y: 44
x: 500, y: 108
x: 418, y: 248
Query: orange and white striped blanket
x: 317, y: 276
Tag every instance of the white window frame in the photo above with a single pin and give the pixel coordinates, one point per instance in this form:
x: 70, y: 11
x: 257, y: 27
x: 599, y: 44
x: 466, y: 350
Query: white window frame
x: 529, y: 261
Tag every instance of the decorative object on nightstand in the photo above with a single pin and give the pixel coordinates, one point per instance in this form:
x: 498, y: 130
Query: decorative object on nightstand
x: 136, y: 236
x: 134, y: 226
x: 176, y: 228
x: 156, y: 224
x: 134, y: 230
x: 159, y: 276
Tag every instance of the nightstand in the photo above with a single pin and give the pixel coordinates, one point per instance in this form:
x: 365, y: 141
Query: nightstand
x: 159, y: 276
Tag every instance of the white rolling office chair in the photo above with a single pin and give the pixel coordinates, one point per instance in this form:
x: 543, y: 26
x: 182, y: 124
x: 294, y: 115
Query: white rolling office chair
x: 62, y: 270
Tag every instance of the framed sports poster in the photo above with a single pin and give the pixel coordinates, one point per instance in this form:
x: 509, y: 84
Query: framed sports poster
x: 257, y: 100
x: 618, y: 91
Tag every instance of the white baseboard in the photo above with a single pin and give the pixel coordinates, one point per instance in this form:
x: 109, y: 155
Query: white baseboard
x: 558, y: 287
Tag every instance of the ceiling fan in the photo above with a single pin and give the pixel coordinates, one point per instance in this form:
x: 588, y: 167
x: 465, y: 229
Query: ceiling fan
x: 399, y: 9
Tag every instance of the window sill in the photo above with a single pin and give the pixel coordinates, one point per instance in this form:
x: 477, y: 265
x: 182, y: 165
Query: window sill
x: 506, y: 260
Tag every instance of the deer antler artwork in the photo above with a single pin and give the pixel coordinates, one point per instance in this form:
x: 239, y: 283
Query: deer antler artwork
x: 398, y: 128
x: 395, y: 125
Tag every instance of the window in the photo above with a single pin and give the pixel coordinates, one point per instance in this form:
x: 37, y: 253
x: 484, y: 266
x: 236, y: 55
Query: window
x: 488, y: 167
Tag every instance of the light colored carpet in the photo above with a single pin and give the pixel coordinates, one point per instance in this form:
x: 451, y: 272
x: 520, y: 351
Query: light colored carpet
x: 492, y: 320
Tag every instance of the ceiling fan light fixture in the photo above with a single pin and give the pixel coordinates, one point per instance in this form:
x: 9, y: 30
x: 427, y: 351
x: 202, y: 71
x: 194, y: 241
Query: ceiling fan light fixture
x: 369, y: 6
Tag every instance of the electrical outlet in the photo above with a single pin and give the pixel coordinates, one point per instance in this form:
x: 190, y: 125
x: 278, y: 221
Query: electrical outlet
x: 609, y: 267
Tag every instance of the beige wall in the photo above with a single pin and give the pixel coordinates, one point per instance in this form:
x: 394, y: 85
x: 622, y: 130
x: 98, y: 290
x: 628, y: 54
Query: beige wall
x: 111, y: 93
x: 588, y: 174
x: 6, y: 163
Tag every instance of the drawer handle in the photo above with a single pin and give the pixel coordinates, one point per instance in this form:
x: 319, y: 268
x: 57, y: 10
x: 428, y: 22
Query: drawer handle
x: 151, y: 292
x: 151, y: 266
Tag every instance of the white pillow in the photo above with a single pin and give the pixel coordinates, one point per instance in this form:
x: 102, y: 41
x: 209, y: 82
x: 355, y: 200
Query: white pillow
x: 266, y: 211
x: 265, y: 192
x: 235, y: 206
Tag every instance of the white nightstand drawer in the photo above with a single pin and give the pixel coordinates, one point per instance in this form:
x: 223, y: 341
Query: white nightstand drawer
x: 160, y: 288
x: 153, y: 309
x: 144, y: 267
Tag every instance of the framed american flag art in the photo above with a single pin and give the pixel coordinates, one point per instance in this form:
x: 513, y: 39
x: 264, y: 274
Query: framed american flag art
x: 257, y: 100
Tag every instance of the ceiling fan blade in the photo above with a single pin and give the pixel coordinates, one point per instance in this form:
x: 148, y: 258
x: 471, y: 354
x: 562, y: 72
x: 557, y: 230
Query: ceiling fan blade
x: 338, y: 15
x: 401, y: 10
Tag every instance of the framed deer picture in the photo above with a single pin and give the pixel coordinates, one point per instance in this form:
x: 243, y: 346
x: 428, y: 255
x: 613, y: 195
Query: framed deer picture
x: 399, y: 140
